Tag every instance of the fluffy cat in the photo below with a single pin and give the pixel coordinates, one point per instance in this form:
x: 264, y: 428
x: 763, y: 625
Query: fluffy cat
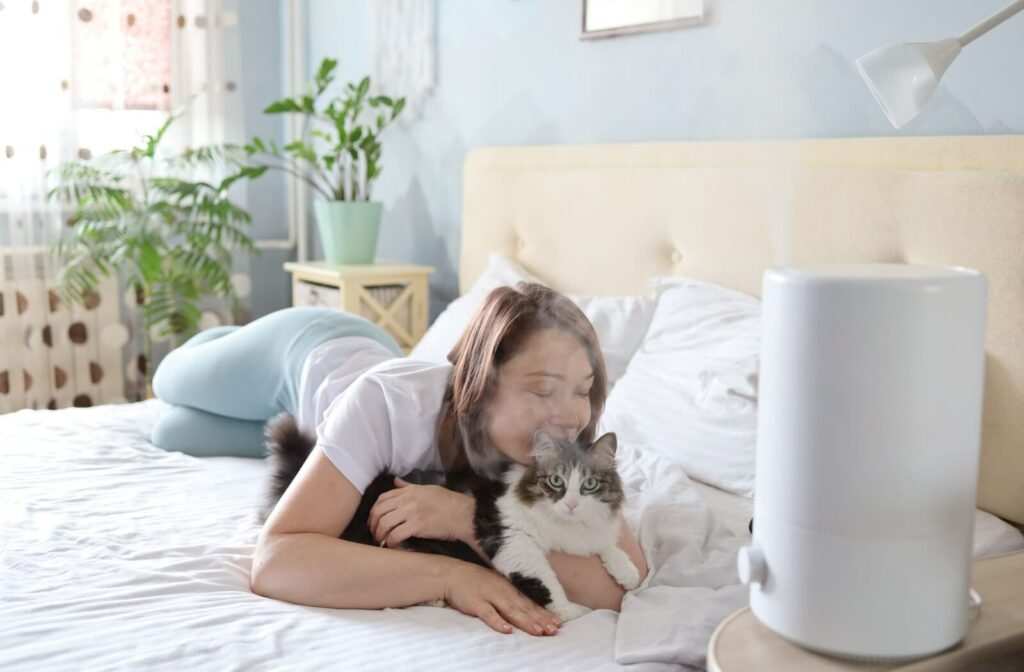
x: 567, y: 499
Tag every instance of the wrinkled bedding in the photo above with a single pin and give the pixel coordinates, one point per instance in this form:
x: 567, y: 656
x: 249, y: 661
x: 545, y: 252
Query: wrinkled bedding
x: 118, y: 555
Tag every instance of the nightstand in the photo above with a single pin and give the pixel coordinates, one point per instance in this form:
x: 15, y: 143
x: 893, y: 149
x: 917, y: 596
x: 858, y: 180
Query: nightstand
x: 742, y: 643
x: 394, y: 296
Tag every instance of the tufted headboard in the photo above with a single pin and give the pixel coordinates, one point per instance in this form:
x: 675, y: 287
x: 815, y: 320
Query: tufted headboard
x: 604, y: 219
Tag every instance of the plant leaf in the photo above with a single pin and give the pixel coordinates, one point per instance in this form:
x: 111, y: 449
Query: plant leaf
x: 283, y: 105
x: 149, y: 262
x: 325, y: 75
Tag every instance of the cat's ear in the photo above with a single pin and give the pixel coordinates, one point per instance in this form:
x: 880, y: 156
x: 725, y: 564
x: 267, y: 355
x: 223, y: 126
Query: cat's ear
x: 544, y: 445
x: 604, y: 448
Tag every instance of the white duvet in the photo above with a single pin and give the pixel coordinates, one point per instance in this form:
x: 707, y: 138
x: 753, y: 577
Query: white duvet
x: 118, y: 555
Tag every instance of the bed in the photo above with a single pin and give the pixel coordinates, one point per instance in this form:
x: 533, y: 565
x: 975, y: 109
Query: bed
x: 119, y: 555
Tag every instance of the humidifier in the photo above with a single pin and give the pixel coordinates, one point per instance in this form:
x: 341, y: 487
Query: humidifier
x: 869, y: 424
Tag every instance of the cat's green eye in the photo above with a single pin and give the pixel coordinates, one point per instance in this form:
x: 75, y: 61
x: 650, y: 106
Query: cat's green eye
x: 556, y: 481
x: 590, y: 484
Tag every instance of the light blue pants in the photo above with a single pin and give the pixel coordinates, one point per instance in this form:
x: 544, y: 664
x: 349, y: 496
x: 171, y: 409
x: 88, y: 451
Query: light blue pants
x: 226, y: 382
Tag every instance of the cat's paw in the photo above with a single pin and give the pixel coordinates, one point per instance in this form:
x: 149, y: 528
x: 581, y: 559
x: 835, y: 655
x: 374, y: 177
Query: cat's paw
x: 624, y: 572
x: 567, y: 610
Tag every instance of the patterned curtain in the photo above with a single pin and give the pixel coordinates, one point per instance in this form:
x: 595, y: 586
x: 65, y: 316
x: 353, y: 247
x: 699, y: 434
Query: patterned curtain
x: 79, y: 78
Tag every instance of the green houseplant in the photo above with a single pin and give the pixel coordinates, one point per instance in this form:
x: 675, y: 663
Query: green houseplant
x: 338, y: 156
x: 171, y: 238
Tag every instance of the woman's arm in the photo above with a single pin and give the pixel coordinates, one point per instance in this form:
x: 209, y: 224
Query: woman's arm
x: 299, y: 558
x: 320, y: 571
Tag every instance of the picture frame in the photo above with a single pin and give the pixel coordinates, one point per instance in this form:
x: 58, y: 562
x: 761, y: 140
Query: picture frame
x: 611, y: 18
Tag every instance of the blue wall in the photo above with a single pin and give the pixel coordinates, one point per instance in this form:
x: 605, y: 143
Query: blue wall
x: 261, y: 29
x: 514, y: 72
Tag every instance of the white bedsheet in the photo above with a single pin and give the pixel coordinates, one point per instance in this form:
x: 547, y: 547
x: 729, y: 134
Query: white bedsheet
x: 690, y: 532
x: 118, y: 555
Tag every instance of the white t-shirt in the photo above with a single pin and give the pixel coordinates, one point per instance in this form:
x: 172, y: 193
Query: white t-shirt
x: 371, y: 410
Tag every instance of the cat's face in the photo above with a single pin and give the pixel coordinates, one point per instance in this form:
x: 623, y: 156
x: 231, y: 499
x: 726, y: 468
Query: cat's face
x: 572, y: 481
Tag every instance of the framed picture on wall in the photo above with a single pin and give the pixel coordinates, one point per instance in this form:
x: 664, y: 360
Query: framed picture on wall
x: 607, y: 18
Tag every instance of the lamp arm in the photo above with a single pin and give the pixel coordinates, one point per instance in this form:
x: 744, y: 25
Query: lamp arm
x: 991, y: 22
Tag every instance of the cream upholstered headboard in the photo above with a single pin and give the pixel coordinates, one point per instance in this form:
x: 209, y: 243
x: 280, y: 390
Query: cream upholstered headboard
x: 604, y: 219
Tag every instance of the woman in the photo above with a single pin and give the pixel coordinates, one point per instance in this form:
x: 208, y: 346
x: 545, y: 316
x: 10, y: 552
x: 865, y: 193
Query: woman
x: 528, y: 360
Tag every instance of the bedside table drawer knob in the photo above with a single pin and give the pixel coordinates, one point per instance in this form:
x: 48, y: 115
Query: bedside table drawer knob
x: 751, y: 565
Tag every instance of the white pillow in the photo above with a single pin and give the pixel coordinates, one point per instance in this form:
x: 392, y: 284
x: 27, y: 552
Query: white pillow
x: 620, y: 322
x: 690, y: 390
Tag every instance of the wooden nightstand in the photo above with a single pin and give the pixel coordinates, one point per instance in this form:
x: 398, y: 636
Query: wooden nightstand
x: 394, y: 296
x: 742, y: 643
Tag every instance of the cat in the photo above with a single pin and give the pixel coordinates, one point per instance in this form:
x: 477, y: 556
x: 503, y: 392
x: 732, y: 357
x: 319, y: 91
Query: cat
x: 567, y: 499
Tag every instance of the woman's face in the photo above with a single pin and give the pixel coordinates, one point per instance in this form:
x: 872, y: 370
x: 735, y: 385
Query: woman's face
x: 546, y: 385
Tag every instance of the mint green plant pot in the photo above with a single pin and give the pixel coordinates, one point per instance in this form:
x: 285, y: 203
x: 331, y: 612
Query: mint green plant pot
x: 348, y: 230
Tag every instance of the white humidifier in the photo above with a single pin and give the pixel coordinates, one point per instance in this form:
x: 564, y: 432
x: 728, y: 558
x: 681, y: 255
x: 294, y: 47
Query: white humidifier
x: 869, y: 426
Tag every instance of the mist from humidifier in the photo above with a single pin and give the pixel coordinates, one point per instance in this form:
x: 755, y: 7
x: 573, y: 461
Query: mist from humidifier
x: 776, y: 188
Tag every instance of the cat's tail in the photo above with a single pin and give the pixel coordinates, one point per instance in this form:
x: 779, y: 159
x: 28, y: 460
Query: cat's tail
x: 286, y: 448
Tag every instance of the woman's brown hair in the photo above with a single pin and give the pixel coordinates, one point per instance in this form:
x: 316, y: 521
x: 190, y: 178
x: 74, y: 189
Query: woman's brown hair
x: 493, y: 336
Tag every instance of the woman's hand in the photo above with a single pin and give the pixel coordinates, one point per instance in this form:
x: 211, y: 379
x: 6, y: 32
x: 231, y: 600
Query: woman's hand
x: 426, y: 511
x: 477, y: 591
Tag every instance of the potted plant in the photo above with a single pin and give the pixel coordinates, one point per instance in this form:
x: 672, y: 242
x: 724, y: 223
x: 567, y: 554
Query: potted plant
x: 338, y: 156
x: 170, y: 237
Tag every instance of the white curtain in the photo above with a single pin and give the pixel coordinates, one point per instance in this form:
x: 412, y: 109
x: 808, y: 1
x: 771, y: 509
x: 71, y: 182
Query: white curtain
x: 79, y: 78
x: 206, y: 76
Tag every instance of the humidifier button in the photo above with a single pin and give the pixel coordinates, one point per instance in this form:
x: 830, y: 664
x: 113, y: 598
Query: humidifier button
x: 751, y: 565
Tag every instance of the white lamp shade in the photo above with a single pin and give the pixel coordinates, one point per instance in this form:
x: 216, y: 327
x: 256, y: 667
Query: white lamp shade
x: 903, y: 77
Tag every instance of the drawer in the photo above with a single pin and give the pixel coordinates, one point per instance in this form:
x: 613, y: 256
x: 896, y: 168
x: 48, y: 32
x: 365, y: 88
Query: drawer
x: 313, y: 294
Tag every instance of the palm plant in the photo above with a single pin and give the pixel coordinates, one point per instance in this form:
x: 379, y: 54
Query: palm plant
x: 170, y: 237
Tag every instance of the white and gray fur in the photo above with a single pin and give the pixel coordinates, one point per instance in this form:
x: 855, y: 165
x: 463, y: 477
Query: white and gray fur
x: 553, y: 505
